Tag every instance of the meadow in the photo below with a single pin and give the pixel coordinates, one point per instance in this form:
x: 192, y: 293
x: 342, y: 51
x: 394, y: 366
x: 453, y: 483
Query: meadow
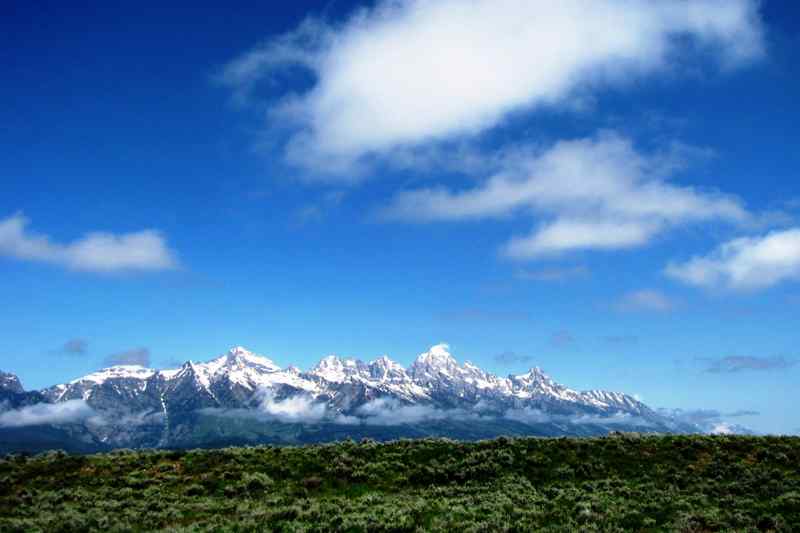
x: 614, y: 483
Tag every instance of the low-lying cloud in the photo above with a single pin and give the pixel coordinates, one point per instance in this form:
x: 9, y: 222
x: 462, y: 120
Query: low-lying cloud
x: 294, y: 409
x: 68, y: 412
x: 709, y: 421
x: 95, y: 252
x: 392, y: 412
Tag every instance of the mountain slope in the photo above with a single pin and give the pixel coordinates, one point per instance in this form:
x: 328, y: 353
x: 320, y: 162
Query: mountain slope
x: 242, y: 396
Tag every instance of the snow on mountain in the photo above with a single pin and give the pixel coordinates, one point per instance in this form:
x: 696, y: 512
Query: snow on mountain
x: 117, y: 372
x: 435, y: 377
x: 335, y: 369
x: 343, y: 388
x: 435, y: 364
x: 10, y: 383
x: 536, y: 384
x: 614, y: 400
x: 238, y: 365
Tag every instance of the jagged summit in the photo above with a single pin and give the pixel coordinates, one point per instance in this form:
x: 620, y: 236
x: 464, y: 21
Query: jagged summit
x: 438, y: 355
x: 239, y: 356
x: 239, y: 377
x: 337, y: 369
x: 437, y: 361
x: 117, y: 372
x: 535, y: 374
x: 11, y: 383
x: 146, y: 407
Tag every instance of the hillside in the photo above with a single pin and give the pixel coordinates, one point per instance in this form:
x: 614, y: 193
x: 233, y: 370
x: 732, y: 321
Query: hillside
x: 621, y: 482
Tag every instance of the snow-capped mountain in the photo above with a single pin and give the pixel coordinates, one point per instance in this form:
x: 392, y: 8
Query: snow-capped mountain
x: 235, y: 392
x: 10, y: 383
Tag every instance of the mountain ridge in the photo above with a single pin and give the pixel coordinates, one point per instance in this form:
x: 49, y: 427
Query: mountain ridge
x: 243, y: 393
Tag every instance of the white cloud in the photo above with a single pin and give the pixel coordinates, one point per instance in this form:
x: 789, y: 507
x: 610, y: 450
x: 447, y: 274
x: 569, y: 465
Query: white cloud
x: 95, y: 252
x: 553, y: 274
x: 47, y: 413
x: 565, y: 234
x: 296, y: 408
x: 409, y: 72
x: 390, y: 412
x: 597, y: 193
x: 722, y: 428
x: 745, y: 263
x: 646, y: 300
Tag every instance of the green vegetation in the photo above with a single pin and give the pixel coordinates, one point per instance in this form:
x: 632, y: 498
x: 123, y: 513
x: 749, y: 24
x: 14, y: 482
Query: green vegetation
x: 617, y: 483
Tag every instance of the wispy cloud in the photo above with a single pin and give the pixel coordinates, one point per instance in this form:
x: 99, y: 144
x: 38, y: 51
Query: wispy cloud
x: 405, y: 73
x: 95, y: 252
x: 646, y: 300
x: 47, y: 413
x: 135, y: 356
x: 509, y: 358
x: 76, y: 347
x: 473, y: 314
x: 621, y: 339
x: 552, y: 274
x: 319, y: 210
x: 598, y: 193
x: 747, y: 263
x: 561, y: 339
x: 742, y: 412
x: 737, y: 363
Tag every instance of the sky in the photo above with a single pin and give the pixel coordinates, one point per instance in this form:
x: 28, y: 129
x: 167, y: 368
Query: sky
x: 608, y: 190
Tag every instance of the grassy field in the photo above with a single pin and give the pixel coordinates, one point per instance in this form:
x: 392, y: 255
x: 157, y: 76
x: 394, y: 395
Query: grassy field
x: 617, y: 483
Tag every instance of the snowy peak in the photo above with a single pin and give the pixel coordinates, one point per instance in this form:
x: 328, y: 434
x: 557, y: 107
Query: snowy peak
x: 239, y: 357
x: 118, y: 372
x: 384, y: 369
x: 10, y: 383
x: 233, y: 378
x: 612, y: 399
x: 534, y: 376
x: 338, y: 370
x: 437, y: 356
x: 536, y: 384
x: 436, y: 361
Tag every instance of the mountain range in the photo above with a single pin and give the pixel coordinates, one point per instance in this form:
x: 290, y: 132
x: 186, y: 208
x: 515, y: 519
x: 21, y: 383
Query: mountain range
x: 244, y: 398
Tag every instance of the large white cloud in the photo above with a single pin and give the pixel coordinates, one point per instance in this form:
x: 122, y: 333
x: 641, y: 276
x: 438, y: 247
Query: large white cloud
x: 745, y: 263
x: 95, y: 252
x: 597, y: 193
x: 408, y: 72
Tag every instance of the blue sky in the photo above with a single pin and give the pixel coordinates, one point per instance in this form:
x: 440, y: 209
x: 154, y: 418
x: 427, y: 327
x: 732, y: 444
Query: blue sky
x: 533, y: 184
